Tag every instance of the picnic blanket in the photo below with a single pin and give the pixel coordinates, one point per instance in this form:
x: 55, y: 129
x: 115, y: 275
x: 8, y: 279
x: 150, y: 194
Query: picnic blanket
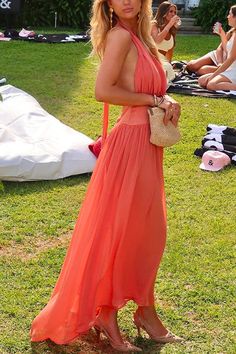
x: 31, y: 36
x: 187, y: 84
x: 34, y: 145
x: 221, y: 138
x: 57, y: 38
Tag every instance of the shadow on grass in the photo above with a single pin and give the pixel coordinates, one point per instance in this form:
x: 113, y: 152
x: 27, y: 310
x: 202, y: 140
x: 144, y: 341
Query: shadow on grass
x: 88, y: 344
x: 23, y: 188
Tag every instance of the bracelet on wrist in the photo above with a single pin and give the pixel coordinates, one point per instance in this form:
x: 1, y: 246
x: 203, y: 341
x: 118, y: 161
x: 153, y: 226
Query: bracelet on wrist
x: 161, y: 101
x: 156, y: 102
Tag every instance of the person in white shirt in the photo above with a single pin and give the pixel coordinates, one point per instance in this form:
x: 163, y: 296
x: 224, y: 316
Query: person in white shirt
x: 224, y: 77
x: 217, y: 69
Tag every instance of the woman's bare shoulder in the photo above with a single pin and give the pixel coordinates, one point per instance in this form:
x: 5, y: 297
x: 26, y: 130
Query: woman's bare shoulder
x: 154, y: 26
x: 155, y: 30
x: 119, y: 36
x: 229, y: 34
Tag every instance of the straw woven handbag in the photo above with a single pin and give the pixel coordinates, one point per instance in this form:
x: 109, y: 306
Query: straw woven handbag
x: 161, y: 134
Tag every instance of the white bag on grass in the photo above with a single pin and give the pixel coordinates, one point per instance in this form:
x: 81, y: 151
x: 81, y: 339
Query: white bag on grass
x: 34, y: 145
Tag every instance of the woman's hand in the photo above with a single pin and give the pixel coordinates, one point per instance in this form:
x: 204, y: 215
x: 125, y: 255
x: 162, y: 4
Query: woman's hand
x: 218, y: 29
x: 222, y: 32
x: 172, y: 110
x: 174, y: 21
x: 204, y: 79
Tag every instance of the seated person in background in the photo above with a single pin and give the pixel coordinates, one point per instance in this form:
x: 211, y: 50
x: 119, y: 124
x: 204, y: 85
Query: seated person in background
x: 210, y: 61
x: 165, y: 25
x: 224, y: 77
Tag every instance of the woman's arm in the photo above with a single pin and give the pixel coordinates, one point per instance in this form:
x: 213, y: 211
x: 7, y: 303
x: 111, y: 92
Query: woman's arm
x: 118, y: 45
x: 223, y: 38
x: 169, y: 54
x: 220, y: 54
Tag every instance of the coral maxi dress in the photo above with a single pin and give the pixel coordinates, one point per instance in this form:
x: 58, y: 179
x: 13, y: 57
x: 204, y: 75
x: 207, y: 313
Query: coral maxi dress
x: 119, y: 238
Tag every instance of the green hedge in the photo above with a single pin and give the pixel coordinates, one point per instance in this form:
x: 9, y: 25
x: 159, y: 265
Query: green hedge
x: 72, y: 13
x: 210, y: 11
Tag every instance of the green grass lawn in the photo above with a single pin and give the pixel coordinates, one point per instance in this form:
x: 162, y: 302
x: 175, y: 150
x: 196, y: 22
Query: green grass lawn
x: 195, y: 288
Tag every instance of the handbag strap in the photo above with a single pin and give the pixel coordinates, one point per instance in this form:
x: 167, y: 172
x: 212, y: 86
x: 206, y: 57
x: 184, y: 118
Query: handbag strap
x: 105, y: 122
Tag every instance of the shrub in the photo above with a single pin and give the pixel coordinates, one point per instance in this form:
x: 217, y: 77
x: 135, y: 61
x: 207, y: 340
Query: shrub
x: 210, y: 11
x: 71, y: 13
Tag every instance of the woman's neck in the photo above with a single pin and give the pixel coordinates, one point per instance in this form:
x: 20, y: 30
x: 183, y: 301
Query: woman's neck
x: 131, y: 24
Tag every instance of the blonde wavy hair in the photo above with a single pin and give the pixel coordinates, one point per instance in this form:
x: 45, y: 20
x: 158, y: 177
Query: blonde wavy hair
x: 100, y: 26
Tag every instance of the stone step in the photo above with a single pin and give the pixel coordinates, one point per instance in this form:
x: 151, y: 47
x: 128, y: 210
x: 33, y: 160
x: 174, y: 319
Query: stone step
x: 190, y: 28
x: 186, y: 33
x: 188, y: 24
x: 185, y: 14
x: 189, y: 20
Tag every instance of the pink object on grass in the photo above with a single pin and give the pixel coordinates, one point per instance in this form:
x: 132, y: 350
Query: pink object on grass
x: 214, y: 161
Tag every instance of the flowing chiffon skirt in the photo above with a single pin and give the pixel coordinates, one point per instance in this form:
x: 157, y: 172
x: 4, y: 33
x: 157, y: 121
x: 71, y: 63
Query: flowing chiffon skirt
x: 124, y: 220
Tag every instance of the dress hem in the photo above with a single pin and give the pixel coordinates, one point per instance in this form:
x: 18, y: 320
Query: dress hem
x: 91, y: 323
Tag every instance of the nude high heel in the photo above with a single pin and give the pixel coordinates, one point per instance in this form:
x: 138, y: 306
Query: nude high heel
x: 168, y: 338
x: 122, y: 347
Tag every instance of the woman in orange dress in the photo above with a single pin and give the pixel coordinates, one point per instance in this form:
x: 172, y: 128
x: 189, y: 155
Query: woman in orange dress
x: 120, y: 234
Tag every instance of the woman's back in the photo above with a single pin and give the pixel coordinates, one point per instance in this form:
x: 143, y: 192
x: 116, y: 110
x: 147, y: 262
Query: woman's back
x: 120, y: 37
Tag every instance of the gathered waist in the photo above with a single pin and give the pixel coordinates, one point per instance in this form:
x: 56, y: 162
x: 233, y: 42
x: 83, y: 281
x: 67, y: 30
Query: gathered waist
x: 134, y: 115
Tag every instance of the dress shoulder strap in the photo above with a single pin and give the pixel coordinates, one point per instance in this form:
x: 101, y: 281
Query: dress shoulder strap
x: 134, y: 37
x: 105, y: 122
